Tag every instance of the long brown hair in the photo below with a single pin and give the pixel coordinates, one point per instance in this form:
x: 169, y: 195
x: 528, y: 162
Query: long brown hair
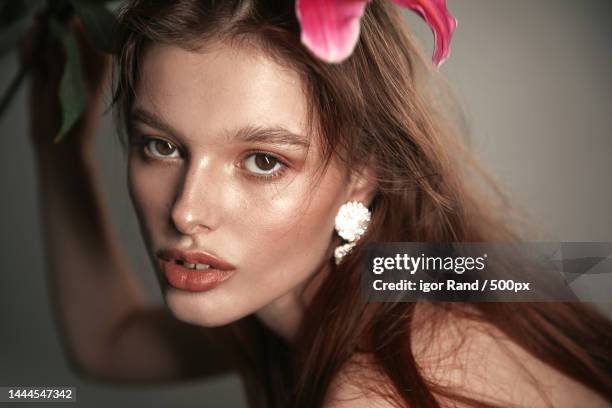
x: 381, y: 106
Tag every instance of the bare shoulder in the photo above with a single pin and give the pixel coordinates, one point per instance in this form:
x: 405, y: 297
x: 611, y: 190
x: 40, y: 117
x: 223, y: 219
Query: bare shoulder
x: 477, y: 360
x: 471, y: 359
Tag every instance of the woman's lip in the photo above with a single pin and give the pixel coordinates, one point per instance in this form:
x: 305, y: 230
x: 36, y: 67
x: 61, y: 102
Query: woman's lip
x: 193, y: 257
x: 195, y: 280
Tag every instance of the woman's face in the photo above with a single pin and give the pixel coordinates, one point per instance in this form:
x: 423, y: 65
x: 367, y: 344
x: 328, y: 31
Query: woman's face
x: 221, y: 161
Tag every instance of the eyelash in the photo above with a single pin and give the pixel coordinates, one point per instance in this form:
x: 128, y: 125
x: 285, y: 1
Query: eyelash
x: 148, y: 140
x: 278, y: 173
x: 143, y: 141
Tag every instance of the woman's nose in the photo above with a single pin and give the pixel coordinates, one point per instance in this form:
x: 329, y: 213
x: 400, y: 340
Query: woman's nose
x: 196, y: 205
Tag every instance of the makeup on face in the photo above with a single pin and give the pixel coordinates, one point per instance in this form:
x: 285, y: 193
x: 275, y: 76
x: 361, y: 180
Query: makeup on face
x: 264, y: 152
x: 222, y: 170
x: 196, y: 271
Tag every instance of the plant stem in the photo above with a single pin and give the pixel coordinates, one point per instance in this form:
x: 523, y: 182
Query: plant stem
x: 13, y: 87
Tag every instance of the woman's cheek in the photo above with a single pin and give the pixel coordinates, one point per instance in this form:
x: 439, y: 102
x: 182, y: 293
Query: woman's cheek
x: 275, y: 206
x: 283, y: 218
x: 151, y: 192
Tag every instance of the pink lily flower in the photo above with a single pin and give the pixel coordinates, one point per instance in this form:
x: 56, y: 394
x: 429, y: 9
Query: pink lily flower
x: 330, y: 28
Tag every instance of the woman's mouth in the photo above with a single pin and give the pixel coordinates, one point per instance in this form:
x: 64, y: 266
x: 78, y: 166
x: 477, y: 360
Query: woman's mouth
x: 193, y: 265
x: 195, y: 271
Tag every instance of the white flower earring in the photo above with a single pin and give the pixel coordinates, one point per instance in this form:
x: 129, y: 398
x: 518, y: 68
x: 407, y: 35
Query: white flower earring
x: 351, y: 223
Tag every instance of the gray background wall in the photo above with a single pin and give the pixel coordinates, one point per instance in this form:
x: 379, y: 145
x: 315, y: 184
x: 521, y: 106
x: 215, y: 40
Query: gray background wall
x: 534, y: 78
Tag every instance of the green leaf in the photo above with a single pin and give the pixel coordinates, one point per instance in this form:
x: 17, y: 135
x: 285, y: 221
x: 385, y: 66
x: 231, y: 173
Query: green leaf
x: 72, y: 91
x: 99, y: 22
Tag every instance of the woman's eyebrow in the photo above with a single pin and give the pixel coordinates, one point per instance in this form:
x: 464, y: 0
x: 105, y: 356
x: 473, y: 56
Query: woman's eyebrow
x: 152, y: 119
x: 272, y: 135
x: 248, y: 134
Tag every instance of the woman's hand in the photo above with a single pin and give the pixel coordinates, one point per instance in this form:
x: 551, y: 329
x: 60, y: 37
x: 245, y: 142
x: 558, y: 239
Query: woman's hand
x: 46, y: 58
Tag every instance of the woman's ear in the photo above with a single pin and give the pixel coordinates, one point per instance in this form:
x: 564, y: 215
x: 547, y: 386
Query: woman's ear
x: 362, y: 184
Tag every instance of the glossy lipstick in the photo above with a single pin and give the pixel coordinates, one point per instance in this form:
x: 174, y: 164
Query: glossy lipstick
x: 173, y: 263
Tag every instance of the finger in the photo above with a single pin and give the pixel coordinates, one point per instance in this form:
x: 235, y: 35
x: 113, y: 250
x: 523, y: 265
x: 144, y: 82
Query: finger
x: 26, y: 43
x: 96, y: 62
x: 90, y: 50
x: 55, y: 59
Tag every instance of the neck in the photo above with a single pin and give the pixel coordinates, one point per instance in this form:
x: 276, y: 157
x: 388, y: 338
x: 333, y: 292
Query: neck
x: 284, y: 315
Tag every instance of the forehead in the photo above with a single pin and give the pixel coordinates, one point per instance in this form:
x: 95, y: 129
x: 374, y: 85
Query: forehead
x: 220, y: 88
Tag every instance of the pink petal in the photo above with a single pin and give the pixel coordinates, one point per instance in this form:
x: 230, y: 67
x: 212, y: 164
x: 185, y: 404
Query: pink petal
x: 330, y: 28
x: 442, y: 23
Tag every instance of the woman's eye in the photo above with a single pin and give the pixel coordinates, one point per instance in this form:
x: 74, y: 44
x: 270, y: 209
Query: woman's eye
x: 161, y: 148
x: 262, y: 163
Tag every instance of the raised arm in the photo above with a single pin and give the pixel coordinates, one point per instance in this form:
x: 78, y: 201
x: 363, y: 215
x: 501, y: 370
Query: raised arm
x: 109, y: 331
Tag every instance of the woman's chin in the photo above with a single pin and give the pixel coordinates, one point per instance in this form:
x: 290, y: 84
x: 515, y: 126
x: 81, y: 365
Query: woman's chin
x: 191, y: 309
